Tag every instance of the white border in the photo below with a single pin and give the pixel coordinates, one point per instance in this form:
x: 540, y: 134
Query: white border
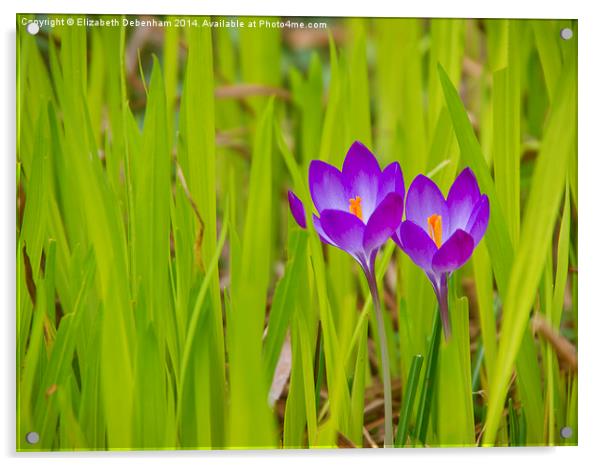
x: 590, y: 105
x: 426, y: 8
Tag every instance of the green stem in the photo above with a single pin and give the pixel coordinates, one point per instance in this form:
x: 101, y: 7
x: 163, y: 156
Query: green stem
x: 384, y: 357
x: 428, y: 387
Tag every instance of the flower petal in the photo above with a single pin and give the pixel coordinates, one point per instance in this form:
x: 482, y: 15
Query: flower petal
x: 297, y: 209
x: 463, y: 195
x: 320, y: 230
x: 360, y: 176
x: 345, y: 230
x: 425, y: 199
x: 417, y: 244
x: 390, y: 181
x: 479, y: 219
x: 326, y: 187
x: 454, y: 253
x: 384, y: 221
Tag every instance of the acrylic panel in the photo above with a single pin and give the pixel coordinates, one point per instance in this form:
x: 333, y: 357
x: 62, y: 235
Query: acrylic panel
x: 256, y: 233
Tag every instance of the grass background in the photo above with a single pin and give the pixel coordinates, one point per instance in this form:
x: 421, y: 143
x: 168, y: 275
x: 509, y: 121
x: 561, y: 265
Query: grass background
x: 167, y: 300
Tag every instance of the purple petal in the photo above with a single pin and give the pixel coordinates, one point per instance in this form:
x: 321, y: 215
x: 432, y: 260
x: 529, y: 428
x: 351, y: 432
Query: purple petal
x: 390, y: 181
x: 415, y: 242
x: 345, y: 230
x: 463, y: 196
x: 360, y: 176
x: 425, y: 199
x: 297, y: 209
x: 326, y: 187
x: 454, y: 253
x: 320, y: 230
x: 384, y: 221
x: 479, y: 219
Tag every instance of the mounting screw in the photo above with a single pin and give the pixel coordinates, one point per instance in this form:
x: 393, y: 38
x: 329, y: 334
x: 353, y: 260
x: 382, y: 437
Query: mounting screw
x: 566, y: 33
x: 566, y: 432
x: 32, y: 438
x: 33, y: 28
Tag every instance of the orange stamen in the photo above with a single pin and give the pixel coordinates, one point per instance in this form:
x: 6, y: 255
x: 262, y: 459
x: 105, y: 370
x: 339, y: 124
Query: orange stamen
x: 435, y: 229
x: 355, y: 207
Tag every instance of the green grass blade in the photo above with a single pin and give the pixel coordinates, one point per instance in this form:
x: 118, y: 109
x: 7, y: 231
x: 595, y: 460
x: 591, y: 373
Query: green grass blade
x: 356, y: 421
x: 487, y: 317
x: 529, y: 388
x: 307, y: 95
x: 454, y: 388
x: 506, y: 137
x: 497, y: 43
x: 307, y: 338
x: 428, y: 386
x: 546, y: 34
x: 198, y: 306
x: 198, y: 163
x: 359, y: 92
x: 251, y: 421
x: 283, y: 302
x: 294, y: 412
x: 538, y: 223
x: 408, y: 401
x: 562, y: 261
x: 446, y: 49
x: 497, y: 238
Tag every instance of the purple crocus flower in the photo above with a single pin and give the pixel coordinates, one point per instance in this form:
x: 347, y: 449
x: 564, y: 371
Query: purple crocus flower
x: 359, y: 209
x: 440, y: 235
x: 297, y: 209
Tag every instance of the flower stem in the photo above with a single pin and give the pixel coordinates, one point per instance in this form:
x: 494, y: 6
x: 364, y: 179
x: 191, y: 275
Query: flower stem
x: 442, y: 298
x: 384, y: 357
